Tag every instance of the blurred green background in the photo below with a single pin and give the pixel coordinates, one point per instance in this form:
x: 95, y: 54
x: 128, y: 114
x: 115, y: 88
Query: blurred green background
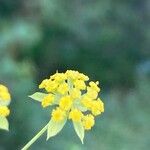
x: 108, y: 40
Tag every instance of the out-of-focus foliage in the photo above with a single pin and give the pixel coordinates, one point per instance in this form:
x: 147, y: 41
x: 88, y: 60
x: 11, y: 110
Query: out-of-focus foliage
x: 106, y: 39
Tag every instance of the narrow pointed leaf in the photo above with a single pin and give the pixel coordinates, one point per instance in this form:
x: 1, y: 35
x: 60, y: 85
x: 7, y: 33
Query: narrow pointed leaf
x: 4, y: 123
x: 79, y: 130
x: 54, y: 128
x: 38, y: 96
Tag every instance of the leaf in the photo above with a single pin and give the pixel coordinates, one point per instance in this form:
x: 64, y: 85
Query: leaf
x: 54, y: 128
x: 79, y: 130
x: 38, y: 96
x: 4, y: 123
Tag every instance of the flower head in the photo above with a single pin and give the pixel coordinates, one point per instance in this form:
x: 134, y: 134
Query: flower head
x: 48, y: 100
x: 4, y: 101
x: 4, y: 94
x: 88, y: 122
x: 76, y: 115
x: 58, y: 114
x: 4, y: 110
x: 72, y: 97
x: 65, y: 103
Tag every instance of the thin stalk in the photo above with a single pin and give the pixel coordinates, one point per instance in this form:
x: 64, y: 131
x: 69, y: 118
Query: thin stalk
x: 34, y: 138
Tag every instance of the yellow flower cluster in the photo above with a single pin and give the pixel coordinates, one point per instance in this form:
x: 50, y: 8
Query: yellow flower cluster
x: 4, y: 101
x: 4, y: 111
x: 75, y: 98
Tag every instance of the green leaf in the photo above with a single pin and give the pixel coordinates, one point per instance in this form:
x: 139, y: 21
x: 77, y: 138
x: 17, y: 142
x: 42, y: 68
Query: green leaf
x: 79, y: 130
x: 54, y: 128
x: 4, y: 123
x: 38, y: 96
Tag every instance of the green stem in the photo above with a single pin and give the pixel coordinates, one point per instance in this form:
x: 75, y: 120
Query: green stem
x: 34, y: 138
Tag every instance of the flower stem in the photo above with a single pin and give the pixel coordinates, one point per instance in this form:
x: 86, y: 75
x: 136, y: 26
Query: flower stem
x: 34, y: 138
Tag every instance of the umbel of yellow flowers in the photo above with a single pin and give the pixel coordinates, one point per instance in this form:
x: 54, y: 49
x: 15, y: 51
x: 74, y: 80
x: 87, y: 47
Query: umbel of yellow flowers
x: 73, y: 97
x: 4, y: 110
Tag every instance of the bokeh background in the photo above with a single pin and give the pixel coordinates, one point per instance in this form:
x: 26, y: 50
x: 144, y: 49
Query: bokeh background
x: 108, y: 40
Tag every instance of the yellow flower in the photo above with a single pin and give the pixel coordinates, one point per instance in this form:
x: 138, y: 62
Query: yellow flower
x: 74, y: 75
x: 75, y: 115
x: 86, y: 101
x: 4, y: 111
x: 80, y: 84
x: 70, y: 91
x: 88, y: 121
x: 97, y: 107
x: 4, y: 94
x: 83, y: 77
x: 71, y: 74
x: 3, y: 88
x: 65, y: 103
x: 92, y: 93
x: 51, y: 86
x: 75, y: 93
x: 73, y: 97
x: 48, y: 100
x: 4, y: 101
x: 58, y: 114
x: 63, y: 88
x: 94, y: 86
x: 58, y: 77
x: 43, y: 84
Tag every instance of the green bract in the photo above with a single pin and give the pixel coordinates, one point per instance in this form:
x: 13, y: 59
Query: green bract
x: 4, y: 123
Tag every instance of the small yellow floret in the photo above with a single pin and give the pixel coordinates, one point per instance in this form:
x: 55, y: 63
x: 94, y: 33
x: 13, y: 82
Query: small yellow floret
x: 97, y: 107
x: 81, y: 76
x: 43, y: 84
x: 75, y: 93
x: 48, y: 100
x: 4, y: 94
x: 92, y: 93
x: 59, y: 77
x: 58, y: 114
x: 88, y: 122
x: 65, y: 103
x: 71, y: 74
x: 75, y: 115
x: 51, y: 86
x: 63, y: 88
x: 3, y: 88
x: 80, y: 84
x: 4, y: 111
x: 94, y: 86
x: 86, y: 101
